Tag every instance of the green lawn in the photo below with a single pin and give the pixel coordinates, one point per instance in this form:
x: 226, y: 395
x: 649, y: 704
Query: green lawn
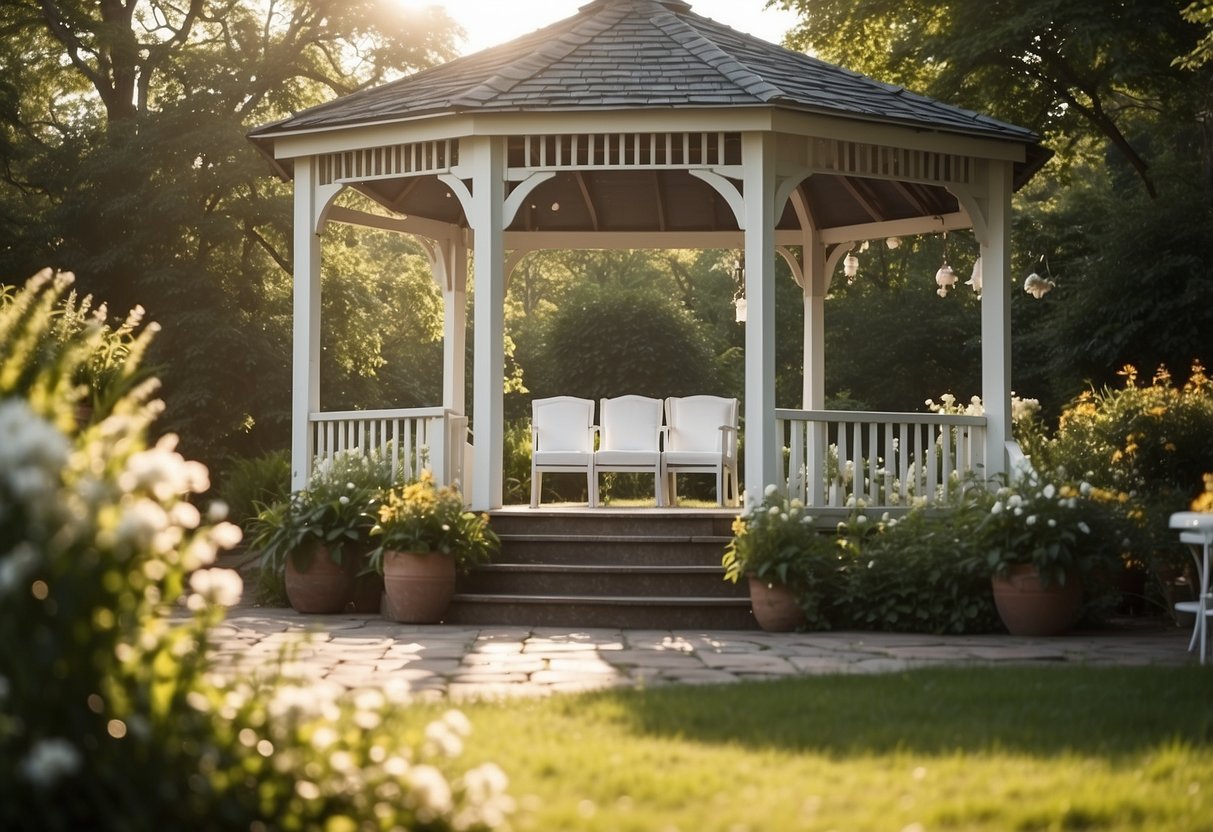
x: 1055, y: 748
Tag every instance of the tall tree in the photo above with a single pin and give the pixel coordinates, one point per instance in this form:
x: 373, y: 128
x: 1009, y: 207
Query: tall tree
x: 124, y: 159
x: 1065, y: 67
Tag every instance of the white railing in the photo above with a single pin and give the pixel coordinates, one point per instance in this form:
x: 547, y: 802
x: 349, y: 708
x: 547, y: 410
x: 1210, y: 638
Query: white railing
x: 885, y: 460
x: 413, y: 439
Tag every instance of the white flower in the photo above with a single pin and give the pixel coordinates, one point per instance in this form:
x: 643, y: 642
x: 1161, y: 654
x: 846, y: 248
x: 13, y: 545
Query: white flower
x: 218, y: 586
x: 996, y: 508
x: 226, y: 535
x: 49, y: 761
x: 344, y: 500
x: 141, y: 520
x: 1031, y: 521
x: 431, y: 793
x: 485, y: 781
x: 164, y: 472
x: 457, y: 722
x: 1052, y: 523
x: 771, y: 490
x: 1050, y: 491
x: 1014, y: 501
x: 773, y: 511
x: 1083, y: 527
x: 32, y: 452
x: 440, y: 739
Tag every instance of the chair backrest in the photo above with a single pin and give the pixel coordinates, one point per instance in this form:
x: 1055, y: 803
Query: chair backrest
x: 562, y: 423
x: 694, y: 423
x: 630, y: 423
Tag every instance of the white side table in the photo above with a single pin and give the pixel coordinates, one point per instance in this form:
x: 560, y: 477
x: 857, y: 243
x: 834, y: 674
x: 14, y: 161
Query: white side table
x: 1196, y: 529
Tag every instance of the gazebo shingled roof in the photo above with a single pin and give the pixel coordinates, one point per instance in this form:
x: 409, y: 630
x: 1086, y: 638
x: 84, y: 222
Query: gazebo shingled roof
x: 609, y: 57
x: 647, y: 55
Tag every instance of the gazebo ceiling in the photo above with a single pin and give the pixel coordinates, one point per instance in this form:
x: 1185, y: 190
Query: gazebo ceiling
x: 648, y: 57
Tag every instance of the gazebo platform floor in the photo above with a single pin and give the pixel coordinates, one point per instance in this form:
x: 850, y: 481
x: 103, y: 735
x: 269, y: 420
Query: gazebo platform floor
x: 636, y: 568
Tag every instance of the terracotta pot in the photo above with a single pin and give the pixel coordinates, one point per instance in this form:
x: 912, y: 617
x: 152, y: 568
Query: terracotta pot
x: 367, y: 595
x: 418, y: 587
x: 774, y: 606
x: 1028, y: 608
x: 324, y: 586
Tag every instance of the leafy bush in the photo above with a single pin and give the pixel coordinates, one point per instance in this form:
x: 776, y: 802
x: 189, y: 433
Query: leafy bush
x: 421, y: 517
x: 109, y: 715
x: 252, y: 483
x: 919, y: 573
x: 1147, y: 444
x: 778, y: 541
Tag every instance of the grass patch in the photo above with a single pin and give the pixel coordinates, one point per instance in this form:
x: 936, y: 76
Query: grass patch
x: 1056, y: 748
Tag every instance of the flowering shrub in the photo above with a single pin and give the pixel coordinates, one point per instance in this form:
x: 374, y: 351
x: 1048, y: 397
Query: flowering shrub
x: 422, y: 517
x: 918, y: 573
x: 1204, y: 502
x: 338, y: 509
x: 1153, y: 442
x: 109, y: 716
x: 1063, y: 530
x: 777, y: 541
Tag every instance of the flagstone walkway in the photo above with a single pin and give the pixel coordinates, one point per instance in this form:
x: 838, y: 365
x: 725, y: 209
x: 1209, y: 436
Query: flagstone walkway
x: 343, y: 652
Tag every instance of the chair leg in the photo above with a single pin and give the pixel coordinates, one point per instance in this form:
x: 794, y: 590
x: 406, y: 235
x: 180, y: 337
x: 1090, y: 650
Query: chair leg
x: 536, y: 483
x: 592, y: 483
x: 658, y: 491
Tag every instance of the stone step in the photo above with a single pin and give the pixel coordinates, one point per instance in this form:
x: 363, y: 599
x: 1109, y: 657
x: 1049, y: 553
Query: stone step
x: 607, y: 521
x: 603, y: 567
x: 630, y: 612
x: 601, y: 579
x: 637, y: 550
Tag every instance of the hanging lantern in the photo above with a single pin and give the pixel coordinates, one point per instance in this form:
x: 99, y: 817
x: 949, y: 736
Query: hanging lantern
x: 945, y: 279
x: 850, y: 265
x: 975, y: 278
x: 739, y: 301
x: 1038, y: 286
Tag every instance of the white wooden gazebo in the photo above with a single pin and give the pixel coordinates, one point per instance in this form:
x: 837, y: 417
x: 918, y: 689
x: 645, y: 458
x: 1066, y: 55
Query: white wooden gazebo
x: 639, y: 124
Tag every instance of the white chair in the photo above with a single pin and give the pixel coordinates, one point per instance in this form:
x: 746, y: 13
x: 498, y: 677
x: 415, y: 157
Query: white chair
x: 631, y: 439
x: 701, y: 438
x: 562, y: 439
x: 1196, y: 530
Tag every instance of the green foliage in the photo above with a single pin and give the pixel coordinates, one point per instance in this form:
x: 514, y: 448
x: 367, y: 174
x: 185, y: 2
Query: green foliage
x: 612, y: 342
x: 778, y: 541
x: 155, y: 194
x: 333, y: 515
x: 918, y: 573
x: 423, y: 517
x: 110, y: 714
x: 250, y: 484
x: 1063, y: 529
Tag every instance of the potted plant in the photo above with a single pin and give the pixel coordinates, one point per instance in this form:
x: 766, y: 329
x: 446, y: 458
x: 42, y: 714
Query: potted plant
x: 317, y: 541
x: 425, y: 536
x: 790, y: 564
x: 1042, y: 542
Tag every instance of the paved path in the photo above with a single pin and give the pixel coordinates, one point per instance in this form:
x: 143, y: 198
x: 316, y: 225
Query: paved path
x: 343, y: 652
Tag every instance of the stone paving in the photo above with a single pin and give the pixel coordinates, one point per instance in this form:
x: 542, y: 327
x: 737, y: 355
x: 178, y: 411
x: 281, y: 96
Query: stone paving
x: 343, y: 652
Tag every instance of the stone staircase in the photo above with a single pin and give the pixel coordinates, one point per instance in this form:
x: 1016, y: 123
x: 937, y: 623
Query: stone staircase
x: 634, y: 568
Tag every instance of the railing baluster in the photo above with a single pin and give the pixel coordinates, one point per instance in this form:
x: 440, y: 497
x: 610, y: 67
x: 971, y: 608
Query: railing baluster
x: 873, y: 446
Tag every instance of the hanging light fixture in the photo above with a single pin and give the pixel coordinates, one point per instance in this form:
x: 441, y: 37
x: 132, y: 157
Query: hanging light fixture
x: 739, y: 301
x: 850, y: 265
x: 1038, y: 286
x: 975, y: 278
x: 945, y: 278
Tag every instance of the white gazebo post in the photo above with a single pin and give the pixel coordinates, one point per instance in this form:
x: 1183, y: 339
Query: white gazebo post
x: 305, y: 373
x: 486, y: 157
x: 996, y: 315
x: 454, y: 324
x: 762, y: 463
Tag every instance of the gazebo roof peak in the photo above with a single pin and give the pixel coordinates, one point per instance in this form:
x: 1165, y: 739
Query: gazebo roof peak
x: 639, y: 55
